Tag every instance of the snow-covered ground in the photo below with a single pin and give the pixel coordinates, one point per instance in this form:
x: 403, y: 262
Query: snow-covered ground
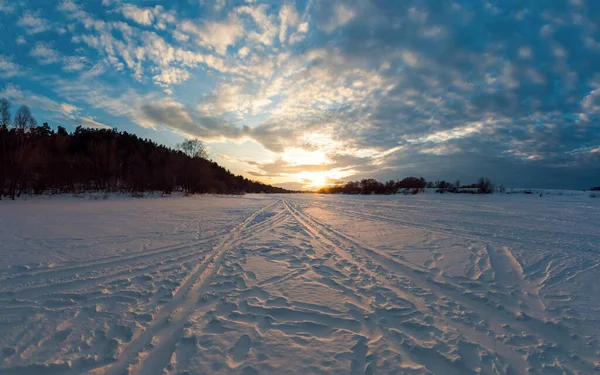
x: 301, y: 284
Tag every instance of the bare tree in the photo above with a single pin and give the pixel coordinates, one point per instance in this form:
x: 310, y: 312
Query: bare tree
x: 4, y: 112
x: 24, y: 119
x: 485, y: 186
x: 22, y: 151
x: 4, y: 122
x: 193, y: 148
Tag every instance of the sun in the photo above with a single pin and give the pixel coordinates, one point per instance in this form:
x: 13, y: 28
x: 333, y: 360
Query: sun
x: 314, y: 180
x: 318, y: 181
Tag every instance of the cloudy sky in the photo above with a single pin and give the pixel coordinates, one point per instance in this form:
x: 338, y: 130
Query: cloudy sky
x: 308, y: 92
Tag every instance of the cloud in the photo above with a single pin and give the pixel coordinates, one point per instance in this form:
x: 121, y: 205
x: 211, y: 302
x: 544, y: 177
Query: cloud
x: 16, y: 94
x: 143, y: 16
x: 64, y: 113
x: 156, y: 16
x: 89, y: 122
x: 381, y: 88
x: 215, y: 35
x: 288, y: 18
x: 44, y: 54
x: 33, y: 23
x: 170, y: 76
x: 74, y: 63
x: 8, y: 6
x: 339, y: 15
x: 266, y: 29
x: 234, y: 98
x: 8, y: 68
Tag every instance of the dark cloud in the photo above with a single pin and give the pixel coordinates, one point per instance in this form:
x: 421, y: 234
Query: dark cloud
x: 525, y: 71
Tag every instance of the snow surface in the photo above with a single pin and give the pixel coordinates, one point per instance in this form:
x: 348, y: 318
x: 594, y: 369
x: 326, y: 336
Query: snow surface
x: 301, y: 284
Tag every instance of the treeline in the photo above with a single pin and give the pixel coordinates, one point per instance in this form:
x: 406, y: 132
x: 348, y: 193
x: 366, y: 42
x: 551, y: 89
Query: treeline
x: 36, y: 159
x: 409, y: 185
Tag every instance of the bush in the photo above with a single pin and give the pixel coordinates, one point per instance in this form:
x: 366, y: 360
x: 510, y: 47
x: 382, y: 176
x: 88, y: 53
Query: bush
x: 485, y: 186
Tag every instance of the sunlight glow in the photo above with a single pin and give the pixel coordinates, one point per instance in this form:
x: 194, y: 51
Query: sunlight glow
x: 315, y: 180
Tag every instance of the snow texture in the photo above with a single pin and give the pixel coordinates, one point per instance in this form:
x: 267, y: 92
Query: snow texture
x: 301, y: 284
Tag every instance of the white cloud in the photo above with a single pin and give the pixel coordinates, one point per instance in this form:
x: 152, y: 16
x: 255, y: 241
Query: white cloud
x: 231, y: 98
x: 179, y: 36
x: 44, y: 54
x: 219, y: 4
x: 67, y: 113
x: 216, y: 35
x: 303, y: 27
x: 156, y: 16
x: 289, y: 18
x: 32, y: 23
x: 171, y: 76
x: 69, y: 108
x: 16, y: 94
x: 89, y: 122
x: 74, y: 63
x: 68, y: 6
x: 8, y: 6
x: 20, y: 40
x: 342, y: 15
x: 446, y: 135
x: 297, y: 36
x: 143, y: 16
x: 410, y: 58
x: 243, y: 52
x: 266, y: 27
x: 8, y: 68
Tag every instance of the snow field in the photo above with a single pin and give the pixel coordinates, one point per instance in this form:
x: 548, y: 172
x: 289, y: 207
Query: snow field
x: 288, y: 284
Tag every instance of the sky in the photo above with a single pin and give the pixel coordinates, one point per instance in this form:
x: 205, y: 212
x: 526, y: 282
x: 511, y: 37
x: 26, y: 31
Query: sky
x: 305, y: 93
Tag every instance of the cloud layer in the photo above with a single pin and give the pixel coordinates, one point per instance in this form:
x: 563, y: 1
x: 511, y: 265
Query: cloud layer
x: 313, y: 92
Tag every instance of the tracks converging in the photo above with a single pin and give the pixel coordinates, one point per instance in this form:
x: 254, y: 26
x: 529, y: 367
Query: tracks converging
x: 390, y: 299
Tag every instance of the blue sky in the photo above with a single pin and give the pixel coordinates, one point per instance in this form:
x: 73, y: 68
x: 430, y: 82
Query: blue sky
x: 305, y: 93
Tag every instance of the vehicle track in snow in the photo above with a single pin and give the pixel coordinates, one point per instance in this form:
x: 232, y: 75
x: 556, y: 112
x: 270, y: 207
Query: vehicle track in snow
x: 506, y: 266
x: 167, y: 328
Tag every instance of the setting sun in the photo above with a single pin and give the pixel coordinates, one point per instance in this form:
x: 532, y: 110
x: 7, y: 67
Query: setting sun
x: 315, y: 180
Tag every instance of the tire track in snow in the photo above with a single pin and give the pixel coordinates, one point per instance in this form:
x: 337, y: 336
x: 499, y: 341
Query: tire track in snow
x: 77, y: 282
x: 29, y: 277
x: 76, y: 277
x: 168, y: 325
x: 438, y: 228
x: 546, y: 330
x: 388, y: 330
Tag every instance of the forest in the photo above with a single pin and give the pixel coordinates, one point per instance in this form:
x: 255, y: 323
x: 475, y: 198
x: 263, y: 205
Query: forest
x: 36, y: 159
x: 410, y: 185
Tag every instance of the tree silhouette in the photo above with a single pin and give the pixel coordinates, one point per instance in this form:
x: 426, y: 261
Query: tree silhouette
x: 193, y: 148
x: 4, y: 113
x: 37, y: 159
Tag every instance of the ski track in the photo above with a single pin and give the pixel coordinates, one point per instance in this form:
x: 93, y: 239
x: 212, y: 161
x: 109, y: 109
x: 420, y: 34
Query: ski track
x: 313, y: 284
